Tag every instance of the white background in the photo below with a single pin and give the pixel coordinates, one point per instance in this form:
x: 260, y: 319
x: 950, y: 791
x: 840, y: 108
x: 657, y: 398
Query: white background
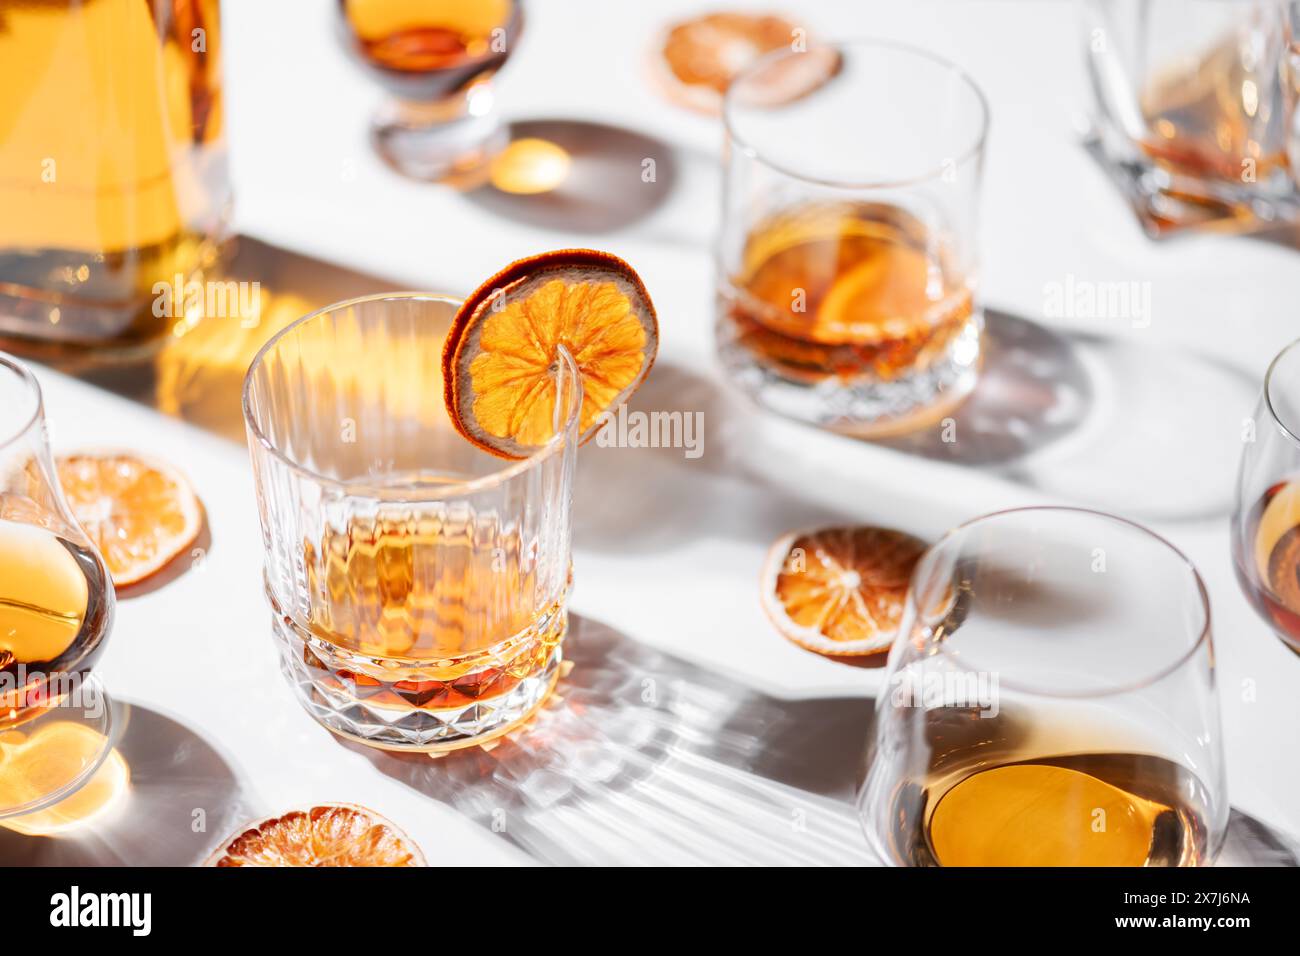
x: 697, y: 734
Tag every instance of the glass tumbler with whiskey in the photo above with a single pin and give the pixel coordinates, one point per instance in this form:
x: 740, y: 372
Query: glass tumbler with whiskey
x: 112, y: 171
x: 417, y: 584
x: 436, y: 60
x: 1266, y: 520
x: 1194, y: 104
x: 56, y: 611
x: 1050, y: 701
x: 846, y: 264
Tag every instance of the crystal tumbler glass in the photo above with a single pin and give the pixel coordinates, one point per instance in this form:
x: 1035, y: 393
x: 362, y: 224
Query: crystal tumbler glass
x: 417, y: 583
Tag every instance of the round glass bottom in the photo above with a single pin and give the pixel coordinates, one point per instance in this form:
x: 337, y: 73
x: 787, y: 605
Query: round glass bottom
x: 863, y: 405
x: 456, y: 151
x: 394, y: 718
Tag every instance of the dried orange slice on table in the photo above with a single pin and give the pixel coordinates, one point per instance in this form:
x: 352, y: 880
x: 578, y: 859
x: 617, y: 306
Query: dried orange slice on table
x: 332, y: 834
x: 698, y: 59
x: 840, y: 591
x: 501, y: 359
x: 139, y: 512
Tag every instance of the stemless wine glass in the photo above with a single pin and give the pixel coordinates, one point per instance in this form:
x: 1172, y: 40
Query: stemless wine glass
x: 417, y: 584
x: 846, y: 264
x: 436, y: 60
x: 1266, y: 520
x: 1050, y: 701
x: 56, y: 611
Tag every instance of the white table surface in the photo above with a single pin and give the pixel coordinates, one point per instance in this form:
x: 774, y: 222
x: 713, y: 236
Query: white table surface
x: 690, y: 731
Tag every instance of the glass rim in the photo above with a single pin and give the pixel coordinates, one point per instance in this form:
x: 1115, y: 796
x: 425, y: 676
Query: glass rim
x: 960, y: 158
x: 28, y: 378
x: 1203, y: 638
x: 1268, y: 392
x: 512, y: 468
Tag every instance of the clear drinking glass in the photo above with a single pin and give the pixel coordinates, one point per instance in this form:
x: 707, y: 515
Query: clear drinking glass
x: 846, y: 265
x: 1194, y: 103
x: 1050, y: 701
x: 1266, y: 521
x: 436, y: 60
x: 56, y: 611
x: 417, y: 584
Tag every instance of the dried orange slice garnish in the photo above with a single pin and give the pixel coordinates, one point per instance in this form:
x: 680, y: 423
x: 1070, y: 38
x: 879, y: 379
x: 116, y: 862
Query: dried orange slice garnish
x: 332, y: 834
x: 698, y: 59
x: 501, y: 357
x: 866, y: 281
x: 840, y: 591
x: 139, y: 513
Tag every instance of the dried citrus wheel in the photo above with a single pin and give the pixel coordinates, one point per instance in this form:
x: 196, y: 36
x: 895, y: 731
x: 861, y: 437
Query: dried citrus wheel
x: 698, y: 59
x: 332, y: 834
x: 866, y: 280
x: 501, y: 356
x: 840, y: 591
x: 139, y: 513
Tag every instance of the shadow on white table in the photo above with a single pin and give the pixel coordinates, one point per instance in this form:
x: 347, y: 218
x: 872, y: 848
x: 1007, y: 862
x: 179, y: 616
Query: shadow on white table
x: 614, y: 178
x: 648, y: 759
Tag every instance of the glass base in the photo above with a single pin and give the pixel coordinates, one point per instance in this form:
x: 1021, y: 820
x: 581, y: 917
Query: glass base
x: 1167, y: 202
x: 385, y: 721
x: 107, y: 333
x: 861, y: 406
x: 435, y: 144
x: 65, y: 743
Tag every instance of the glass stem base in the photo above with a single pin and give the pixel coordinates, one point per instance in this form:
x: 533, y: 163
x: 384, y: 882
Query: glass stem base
x: 69, y: 739
x: 443, y: 141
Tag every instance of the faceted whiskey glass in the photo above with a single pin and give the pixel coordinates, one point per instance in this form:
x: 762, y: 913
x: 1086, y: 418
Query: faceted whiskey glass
x: 1050, y: 701
x: 1194, y: 108
x: 417, y: 584
x: 846, y: 264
